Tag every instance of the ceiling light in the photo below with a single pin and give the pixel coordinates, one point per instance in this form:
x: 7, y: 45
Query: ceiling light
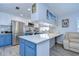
x: 29, y: 9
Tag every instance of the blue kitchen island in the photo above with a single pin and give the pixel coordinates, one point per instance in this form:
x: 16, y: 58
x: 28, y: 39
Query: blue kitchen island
x: 36, y: 45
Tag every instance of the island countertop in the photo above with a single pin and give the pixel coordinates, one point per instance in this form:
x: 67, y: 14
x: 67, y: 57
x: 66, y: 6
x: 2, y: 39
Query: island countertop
x: 39, y: 37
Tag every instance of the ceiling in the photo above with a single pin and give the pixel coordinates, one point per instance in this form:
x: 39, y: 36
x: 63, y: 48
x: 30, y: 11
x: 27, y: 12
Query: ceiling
x: 57, y: 8
x: 64, y: 8
x: 11, y: 8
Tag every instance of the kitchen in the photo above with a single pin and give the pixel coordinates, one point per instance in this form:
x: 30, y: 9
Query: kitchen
x: 18, y: 28
x: 31, y: 29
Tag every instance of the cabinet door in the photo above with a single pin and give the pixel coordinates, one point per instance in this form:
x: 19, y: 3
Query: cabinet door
x: 1, y: 41
x: 7, y: 39
x: 30, y: 51
x: 27, y: 48
x: 21, y: 52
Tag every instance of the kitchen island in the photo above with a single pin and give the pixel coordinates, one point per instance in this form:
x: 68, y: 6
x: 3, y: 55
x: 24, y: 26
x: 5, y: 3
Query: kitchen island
x: 36, y: 45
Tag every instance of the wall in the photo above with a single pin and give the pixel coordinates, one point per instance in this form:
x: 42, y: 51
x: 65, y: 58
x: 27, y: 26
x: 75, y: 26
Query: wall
x: 72, y: 25
x: 5, y: 19
x: 41, y: 9
x: 41, y: 13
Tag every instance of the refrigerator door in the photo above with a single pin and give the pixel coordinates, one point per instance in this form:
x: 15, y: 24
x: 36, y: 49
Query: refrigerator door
x: 17, y: 30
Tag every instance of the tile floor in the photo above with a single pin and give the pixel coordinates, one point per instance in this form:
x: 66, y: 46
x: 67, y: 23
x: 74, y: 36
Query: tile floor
x: 55, y: 51
x: 58, y: 50
x: 9, y: 51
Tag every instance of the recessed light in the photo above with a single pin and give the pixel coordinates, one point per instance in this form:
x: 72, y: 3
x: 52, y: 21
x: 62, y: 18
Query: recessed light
x: 29, y: 9
x: 17, y: 7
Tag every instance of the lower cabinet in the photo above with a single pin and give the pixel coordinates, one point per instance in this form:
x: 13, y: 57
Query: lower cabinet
x: 1, y: 41
x: 27, y: 48
x: 21, y: 51
x: 8, y: 40
x: 5, y: 39
x: 29, y: 51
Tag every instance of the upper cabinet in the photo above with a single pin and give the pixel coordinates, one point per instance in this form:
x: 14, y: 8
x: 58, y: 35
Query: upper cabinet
x: 5, y: 19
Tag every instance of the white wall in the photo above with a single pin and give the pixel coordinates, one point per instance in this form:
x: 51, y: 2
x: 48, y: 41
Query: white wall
x: 41, y: 13
x: 72, y: 25
x: 41, y: 9
x: 5, y: 19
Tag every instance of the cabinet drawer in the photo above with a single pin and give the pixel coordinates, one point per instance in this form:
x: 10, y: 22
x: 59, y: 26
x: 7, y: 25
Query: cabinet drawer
x: 28, y: 43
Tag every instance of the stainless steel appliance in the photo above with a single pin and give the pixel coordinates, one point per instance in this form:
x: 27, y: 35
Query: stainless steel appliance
x: 17, y: 30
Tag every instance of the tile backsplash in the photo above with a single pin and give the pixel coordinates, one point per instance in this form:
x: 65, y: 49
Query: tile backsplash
x: 5, y: 28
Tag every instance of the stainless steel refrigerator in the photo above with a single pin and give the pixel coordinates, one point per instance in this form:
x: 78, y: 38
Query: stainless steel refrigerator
x: 17, y: 30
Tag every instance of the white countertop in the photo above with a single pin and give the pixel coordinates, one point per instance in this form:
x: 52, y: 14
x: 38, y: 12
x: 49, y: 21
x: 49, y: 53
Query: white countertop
x: 39, y: 37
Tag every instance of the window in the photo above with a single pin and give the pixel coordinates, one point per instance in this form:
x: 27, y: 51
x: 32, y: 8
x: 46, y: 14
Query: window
x: 44, y: 28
